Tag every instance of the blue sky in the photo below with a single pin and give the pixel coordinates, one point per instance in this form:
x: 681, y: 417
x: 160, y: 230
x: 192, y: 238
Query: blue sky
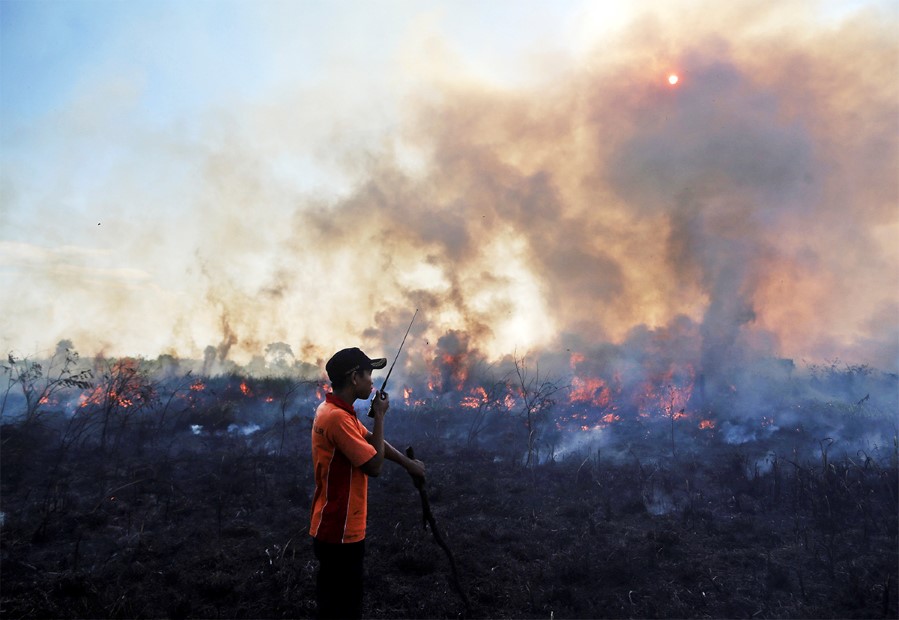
x: 157, y: 158
x: 144, y: 67
x: 193, y: 54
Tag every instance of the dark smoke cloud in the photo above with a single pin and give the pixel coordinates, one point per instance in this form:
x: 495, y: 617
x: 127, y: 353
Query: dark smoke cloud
x: 632, y: 203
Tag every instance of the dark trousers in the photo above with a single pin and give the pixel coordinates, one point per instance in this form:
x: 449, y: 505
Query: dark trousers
x: 338, y: 587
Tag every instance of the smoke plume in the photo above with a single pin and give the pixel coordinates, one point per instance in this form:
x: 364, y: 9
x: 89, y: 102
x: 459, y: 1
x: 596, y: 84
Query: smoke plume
x: 752, y: 203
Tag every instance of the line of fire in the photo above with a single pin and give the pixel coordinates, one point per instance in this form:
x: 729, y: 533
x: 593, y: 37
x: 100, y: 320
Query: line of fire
x: 622, y: 393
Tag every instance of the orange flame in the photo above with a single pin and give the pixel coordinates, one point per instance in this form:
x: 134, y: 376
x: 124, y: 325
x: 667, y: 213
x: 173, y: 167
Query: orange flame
x: 475, y: 399
x: 101, y: 395
x: 123, y: 388
x: 509, y: 402
x: 322, y: 390
x: 591, y: 390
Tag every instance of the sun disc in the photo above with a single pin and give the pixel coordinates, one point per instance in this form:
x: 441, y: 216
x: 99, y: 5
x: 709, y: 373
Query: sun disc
x: 672, y: 79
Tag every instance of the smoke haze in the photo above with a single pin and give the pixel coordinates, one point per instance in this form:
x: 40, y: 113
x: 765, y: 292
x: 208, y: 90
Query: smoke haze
x: 752, y: 206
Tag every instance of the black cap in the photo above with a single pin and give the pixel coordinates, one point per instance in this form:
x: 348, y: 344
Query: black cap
x: 346, y: 361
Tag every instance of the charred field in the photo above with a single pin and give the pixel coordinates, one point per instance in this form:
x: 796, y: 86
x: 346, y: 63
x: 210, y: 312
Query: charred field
x: 188, y: 498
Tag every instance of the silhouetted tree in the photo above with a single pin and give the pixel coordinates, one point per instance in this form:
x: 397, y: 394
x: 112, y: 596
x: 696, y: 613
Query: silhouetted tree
x: 536, y: 394
x: 39, y: 384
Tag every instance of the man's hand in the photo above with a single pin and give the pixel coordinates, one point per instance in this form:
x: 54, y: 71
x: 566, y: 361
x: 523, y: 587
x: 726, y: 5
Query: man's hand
x: 378, y: 410
x: 416, y: 469
x: 379, y: 405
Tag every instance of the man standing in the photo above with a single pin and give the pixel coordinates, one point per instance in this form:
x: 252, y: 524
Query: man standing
x: 344, y: 455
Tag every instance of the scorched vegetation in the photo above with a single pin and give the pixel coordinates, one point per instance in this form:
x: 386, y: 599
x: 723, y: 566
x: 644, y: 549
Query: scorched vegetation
x: 138, y: 489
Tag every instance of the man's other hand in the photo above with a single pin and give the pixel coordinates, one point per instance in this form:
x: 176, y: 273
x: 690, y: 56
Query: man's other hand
x: 380, y: 404
x: 416, y: 469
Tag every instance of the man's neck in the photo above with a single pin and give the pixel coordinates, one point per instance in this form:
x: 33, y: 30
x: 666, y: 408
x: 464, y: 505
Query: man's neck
x: 346, y: 395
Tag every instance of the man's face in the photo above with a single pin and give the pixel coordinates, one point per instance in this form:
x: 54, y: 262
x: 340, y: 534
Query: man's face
x: 363, y: 383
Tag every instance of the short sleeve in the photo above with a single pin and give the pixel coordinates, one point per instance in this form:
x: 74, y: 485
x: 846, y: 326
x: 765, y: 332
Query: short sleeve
x: 348, y: 434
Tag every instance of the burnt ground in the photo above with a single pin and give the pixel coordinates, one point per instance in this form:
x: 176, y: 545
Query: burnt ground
x: 166, y: 523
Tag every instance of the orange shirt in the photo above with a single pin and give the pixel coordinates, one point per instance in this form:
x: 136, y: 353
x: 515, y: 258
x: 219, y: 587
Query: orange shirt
x: 339, y: 448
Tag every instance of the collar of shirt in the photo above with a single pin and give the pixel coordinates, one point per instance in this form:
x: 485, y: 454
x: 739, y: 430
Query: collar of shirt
x: 334, y: 400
